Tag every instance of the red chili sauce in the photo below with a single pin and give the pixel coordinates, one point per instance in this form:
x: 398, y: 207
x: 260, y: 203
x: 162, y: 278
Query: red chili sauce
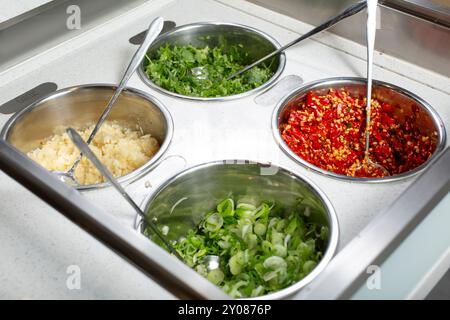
x: 328, y: 132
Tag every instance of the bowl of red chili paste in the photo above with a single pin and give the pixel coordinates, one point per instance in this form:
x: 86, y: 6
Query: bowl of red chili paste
x: 321, y: 125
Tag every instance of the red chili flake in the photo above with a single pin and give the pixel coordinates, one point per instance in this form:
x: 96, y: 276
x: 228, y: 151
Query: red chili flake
x: 328, y: 131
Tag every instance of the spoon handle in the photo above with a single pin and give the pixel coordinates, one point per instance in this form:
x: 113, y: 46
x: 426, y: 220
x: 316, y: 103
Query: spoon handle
x: 370, y: 34
x: 87, y: 152
x: 351, y: 10
x: 153, y: 31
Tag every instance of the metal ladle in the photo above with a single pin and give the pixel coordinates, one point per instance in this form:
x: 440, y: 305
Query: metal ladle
x: 87, y: 152
x: 367, y: 164
x: 201, y: 73
x: 153, y: 31
x: 211, y: 262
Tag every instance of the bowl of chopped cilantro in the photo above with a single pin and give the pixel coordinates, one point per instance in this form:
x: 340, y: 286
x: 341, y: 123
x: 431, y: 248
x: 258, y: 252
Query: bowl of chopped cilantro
x: 218, y: 50
x: 272, y: 230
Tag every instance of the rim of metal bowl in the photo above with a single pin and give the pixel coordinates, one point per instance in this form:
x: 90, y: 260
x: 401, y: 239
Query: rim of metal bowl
x: 333, y: 239
x: 128, y: 178
x: 356, y: 80
x: 265, y: 85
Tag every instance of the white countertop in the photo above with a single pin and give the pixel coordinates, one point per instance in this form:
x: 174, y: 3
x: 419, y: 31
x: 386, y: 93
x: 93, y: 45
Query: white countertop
x: 37, y: 244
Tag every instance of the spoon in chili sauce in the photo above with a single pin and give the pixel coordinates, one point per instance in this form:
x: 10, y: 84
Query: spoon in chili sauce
x: 368, y: 168
x: 84, y: 149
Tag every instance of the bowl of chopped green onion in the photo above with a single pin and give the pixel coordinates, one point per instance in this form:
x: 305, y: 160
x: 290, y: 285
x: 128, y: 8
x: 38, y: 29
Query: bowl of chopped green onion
x: 218, y: 50
x: 272, y: 230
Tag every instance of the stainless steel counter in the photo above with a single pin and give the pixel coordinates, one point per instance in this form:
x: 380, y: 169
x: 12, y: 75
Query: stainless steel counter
x: 38, y: 246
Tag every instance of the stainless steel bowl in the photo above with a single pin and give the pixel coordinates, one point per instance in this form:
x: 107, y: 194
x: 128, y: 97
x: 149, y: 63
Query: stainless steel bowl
x: 400, y: 98
x: 80, y: 105
x: 212, y: 34
x: 181, y: 202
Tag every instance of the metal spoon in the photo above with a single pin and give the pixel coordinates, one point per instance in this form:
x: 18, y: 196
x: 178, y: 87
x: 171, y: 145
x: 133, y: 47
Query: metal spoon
x: 153, y: 31
x: 86, y: 151
x: 367, y: 164
x: 202, y: 74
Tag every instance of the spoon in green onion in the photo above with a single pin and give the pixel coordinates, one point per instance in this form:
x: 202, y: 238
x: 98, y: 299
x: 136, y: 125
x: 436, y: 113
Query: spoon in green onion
x: 87, y: 152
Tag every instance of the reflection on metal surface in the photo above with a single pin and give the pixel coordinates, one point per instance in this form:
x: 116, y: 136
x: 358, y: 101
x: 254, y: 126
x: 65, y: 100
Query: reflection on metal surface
x: 400, y: 98
x: 137, y: 39
x: 27, y: 98
x: 182, y: 200
x: 25, y: 11
x: 437, y: 11
x: 81, y: 105
x: 402, y: 35
x: 213, y: 34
